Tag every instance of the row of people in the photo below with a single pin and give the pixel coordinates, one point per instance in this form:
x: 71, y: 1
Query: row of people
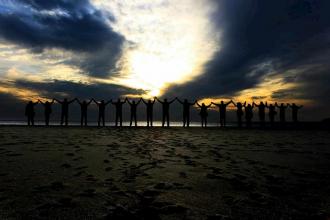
x: 248, y: 111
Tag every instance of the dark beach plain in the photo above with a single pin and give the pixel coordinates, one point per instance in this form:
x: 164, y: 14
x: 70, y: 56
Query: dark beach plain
x: 175, y: 173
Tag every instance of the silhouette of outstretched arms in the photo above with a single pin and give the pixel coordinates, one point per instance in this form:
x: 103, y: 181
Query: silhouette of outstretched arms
x: 139, y: 101
x: 95, y: 101
x: 208, y: 106
x: 80, y: 103
x: 198, y: 104
x: 231, y: 101
x: 234, y: 103
x: 90, y: 101
x: 212, y: 103
x: 128, y: 101
x: 69, y: 102
x: 244, y: 104
x: 255, y: 104
x: 58, y: 101
x: 158, y: 100
x: 170, y: 102
x: 179, y: 100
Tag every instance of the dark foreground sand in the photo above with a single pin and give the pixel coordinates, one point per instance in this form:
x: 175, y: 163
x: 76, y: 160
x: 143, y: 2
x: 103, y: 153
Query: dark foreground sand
x: 74, y: 173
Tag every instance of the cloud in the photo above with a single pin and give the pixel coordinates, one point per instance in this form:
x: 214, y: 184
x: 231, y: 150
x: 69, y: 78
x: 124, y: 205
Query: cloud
x: 261, y: 37
x: 69, y: 25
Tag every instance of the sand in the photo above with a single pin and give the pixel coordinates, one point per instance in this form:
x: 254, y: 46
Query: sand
x: 176, y: 173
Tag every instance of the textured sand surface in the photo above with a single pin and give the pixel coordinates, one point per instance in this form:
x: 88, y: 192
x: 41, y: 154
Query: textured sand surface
x: 75, y: 173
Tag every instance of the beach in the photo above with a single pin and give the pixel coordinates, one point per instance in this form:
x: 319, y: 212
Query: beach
x: 163, y: 173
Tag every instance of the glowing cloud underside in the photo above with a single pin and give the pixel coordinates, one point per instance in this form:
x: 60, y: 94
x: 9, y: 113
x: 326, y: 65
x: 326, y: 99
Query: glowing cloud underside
x: 168, y: 41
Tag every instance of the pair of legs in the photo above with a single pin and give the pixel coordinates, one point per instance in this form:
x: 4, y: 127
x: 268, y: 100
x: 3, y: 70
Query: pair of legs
x: 47, y: 119
x: 262, y: 120
x: 119, y: 117
x: 204, y: 121
x: 30, y: 120
x: 83, y: 119
x: 133, y: 117
x: 166, y: 118
x: 186, y: 119
x: 222, y: 121
x: 149, y: 119
x: 101, y: 117
x: 64, y: 118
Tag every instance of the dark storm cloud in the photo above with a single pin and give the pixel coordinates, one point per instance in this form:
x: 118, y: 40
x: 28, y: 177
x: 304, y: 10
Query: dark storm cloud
x: 259, y: 37
x: 61, y: 89
x: 71, y: 25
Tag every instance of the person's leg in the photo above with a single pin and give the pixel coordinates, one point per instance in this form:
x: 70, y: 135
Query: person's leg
x: 66, y: 119
x: 131, y: 121
x: 117, y: 117
x: 103, y: 119
x: 163, y: 121
x: 135, y: 120
x: 99, y: 120
x: 151, y: 119
x: 184, y: 120
x: 188, y: 120
x: 168, y: 120
x: 121, y: 119
x: 85, y: 119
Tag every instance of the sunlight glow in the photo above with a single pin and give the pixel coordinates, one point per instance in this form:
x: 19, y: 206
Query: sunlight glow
x: 162, y: 50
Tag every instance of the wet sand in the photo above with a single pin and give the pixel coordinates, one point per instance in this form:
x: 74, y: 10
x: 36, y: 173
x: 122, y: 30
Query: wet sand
x: 176, y: 173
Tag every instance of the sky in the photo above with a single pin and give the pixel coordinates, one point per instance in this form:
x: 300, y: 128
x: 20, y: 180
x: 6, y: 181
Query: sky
x: 209, y: 50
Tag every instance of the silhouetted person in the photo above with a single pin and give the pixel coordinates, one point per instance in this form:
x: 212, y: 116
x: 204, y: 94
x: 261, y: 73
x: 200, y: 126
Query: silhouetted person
x: 48, y: 110
x: 261, y: 112
x: 248, y: 114
x: 150, y: 107
x: 83, y: 111
x: 65, y: 110
x: 239, y: 113
x: 203, y: 113
x: 186, y: 111
x: 295, y: 109
x: 29, y: 112
x: 272, y: 113
x: 166, y: 111
x: 119, y: 111
x: 282, y: 108
x: 101, y: 116
x: 133, y: 105
x: 222, y: 110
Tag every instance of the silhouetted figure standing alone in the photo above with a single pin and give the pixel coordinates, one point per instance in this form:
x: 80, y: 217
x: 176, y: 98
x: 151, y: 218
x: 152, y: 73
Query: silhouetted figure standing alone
x: 83, y: 111
x: 48, y: 110
x: 29, y: 112
x: 295, y: 109
x: 203, y: 113
x: 239, y: 113
x: 133, y: 105
x: 150, y: 107
x: 248, y: 114
x: 65, y: 110
x: 261, y: 112
x: 282, y: 108
x: 272, y: 112
x: 119, y: 111
x: 222, y: 110
x: 186, y: 111
x: 166, y: 111
x: 101, y: 106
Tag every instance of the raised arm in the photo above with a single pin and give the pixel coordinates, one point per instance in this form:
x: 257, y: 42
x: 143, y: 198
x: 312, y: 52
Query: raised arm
x: 139, y: 101
x: 58, y: 101
x: 179, y: 100
x: 90, y: 101
x: 172, y: 101
x: 193, y: 103
x: 41, y: 102
x: 208, y: 106
x: 126, y: 99
x: 159, y: 100
x: 198, y: 104
x: 95, y: 101
x: 234, y: 103
x: 244, y: 104
x: 143, y: 101
x: 212, y: 103
x: 76, y: 100
x: 229, y: 102
x: 300, y: 106
x: 255, y: 104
